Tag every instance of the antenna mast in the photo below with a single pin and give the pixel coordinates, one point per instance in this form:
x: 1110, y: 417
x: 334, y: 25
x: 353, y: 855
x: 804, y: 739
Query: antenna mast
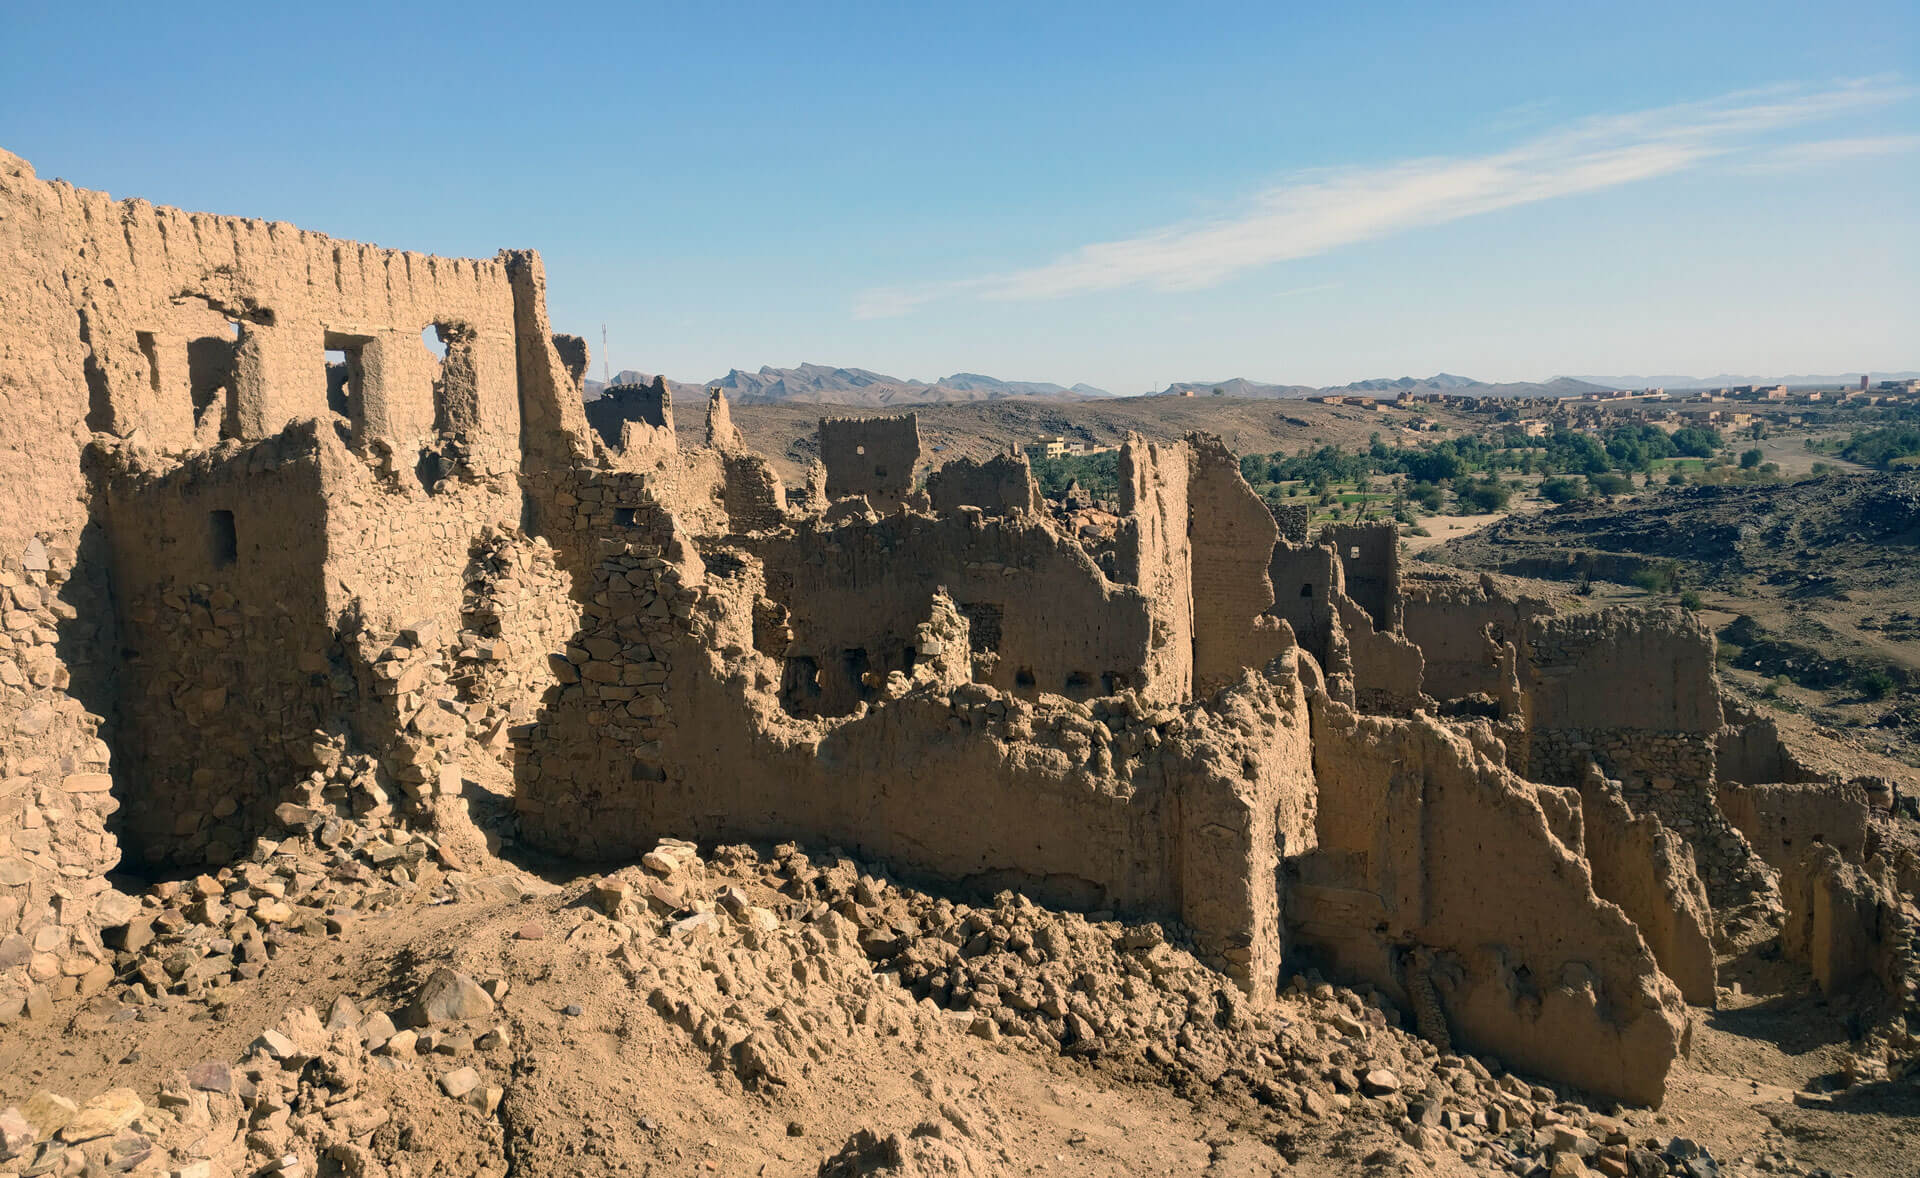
x: 606, y: 365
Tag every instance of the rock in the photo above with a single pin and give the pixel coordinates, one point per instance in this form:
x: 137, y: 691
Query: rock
x: 211, y: 1076
x: 342, y: 1014
x: 276, y: 1045
x: 1379, y: 1082
x: 49, y: 1112
x: 531, y: 931
x: 459, y: 1082
x: 611, y: 894
x: 103, y: 1116
x: 401, y: 1043
x: 376, y: 1030
x: 16, y: 1133
x: 449, y: 996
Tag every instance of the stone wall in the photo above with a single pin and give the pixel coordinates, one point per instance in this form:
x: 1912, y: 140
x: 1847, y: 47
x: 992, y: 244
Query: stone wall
x: 1633, y: 691
x: 56, y: 792
x: 870, y: 456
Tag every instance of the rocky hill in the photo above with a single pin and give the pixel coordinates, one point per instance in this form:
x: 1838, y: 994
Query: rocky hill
x: 822, y: 384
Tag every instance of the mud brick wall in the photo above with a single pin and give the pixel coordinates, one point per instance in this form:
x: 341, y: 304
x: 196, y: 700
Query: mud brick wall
x: 871, y: 456
x: 998, y: 486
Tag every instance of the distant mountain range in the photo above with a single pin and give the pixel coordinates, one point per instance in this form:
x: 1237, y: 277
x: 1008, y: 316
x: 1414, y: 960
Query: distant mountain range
x: 828, y: 385
x: 825, y: 385
x: 1726, y: 379
x: 1441, y: 382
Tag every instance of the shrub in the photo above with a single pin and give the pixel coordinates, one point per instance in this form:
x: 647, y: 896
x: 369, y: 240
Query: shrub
x: 1560, y: 490
x: 1875, y: 684
x: 1750, y: 458
x: 1691, y: 600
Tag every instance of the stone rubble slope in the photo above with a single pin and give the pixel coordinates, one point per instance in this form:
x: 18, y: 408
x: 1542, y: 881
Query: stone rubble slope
x: 768, y: 964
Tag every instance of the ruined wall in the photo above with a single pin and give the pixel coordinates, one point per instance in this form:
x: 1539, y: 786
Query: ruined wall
x: 1305, y: 579
x: 1782, y: 821
x: 199, y: 326
x: 56, y: 795
x: 870, y: 456
x: 1633, y: 691
x: 1386, y: 668
x: 1447, y: 618
x: 670, y: 720
x: 1043, y: 617
x: 634, y: 418
x: 1749, y: 751
x: 1844, y: 921
x: 1648, y: 871
x: 264, y: 590
x: 1153, y: 555
x: 1370, y: 560
x: 1231, y: 536
x: 1001, y: 485
x: 1423, y: 846
x: 219, y: 577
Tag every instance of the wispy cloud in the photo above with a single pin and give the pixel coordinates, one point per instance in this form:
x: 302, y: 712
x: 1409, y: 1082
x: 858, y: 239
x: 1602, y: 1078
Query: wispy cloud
x: 1821, y: 153
x: 1313, y: 212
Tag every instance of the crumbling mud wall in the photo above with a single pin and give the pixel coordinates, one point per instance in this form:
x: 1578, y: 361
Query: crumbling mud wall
x: 870, y: 456
x: 1045, y: 619
x: 1423, y: 843
x: 1001, y: 485
x: 1447, y: 617
x: 1844, y: 921
x: 1386, y: 669
x: 1153, y: 554
x: 674, y: 722
x: 199, y: 327
x: 634, y: 418
x: 1230, y: 538
x: 1749, y: 751
x: 264, y: 591
x: 1370, y: 559
x: 1648, y: 871
x: 1306, y: 578
x: 1781, y: 821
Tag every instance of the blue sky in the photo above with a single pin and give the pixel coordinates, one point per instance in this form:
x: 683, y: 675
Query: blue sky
x: 1120, y: 195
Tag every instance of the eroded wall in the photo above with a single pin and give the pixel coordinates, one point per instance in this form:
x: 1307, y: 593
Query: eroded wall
x: 1423, y: 845
x: 870, y: 456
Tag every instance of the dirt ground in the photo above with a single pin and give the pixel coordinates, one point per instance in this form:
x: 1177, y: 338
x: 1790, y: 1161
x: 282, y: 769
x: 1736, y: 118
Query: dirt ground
x: 601, y: 1075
